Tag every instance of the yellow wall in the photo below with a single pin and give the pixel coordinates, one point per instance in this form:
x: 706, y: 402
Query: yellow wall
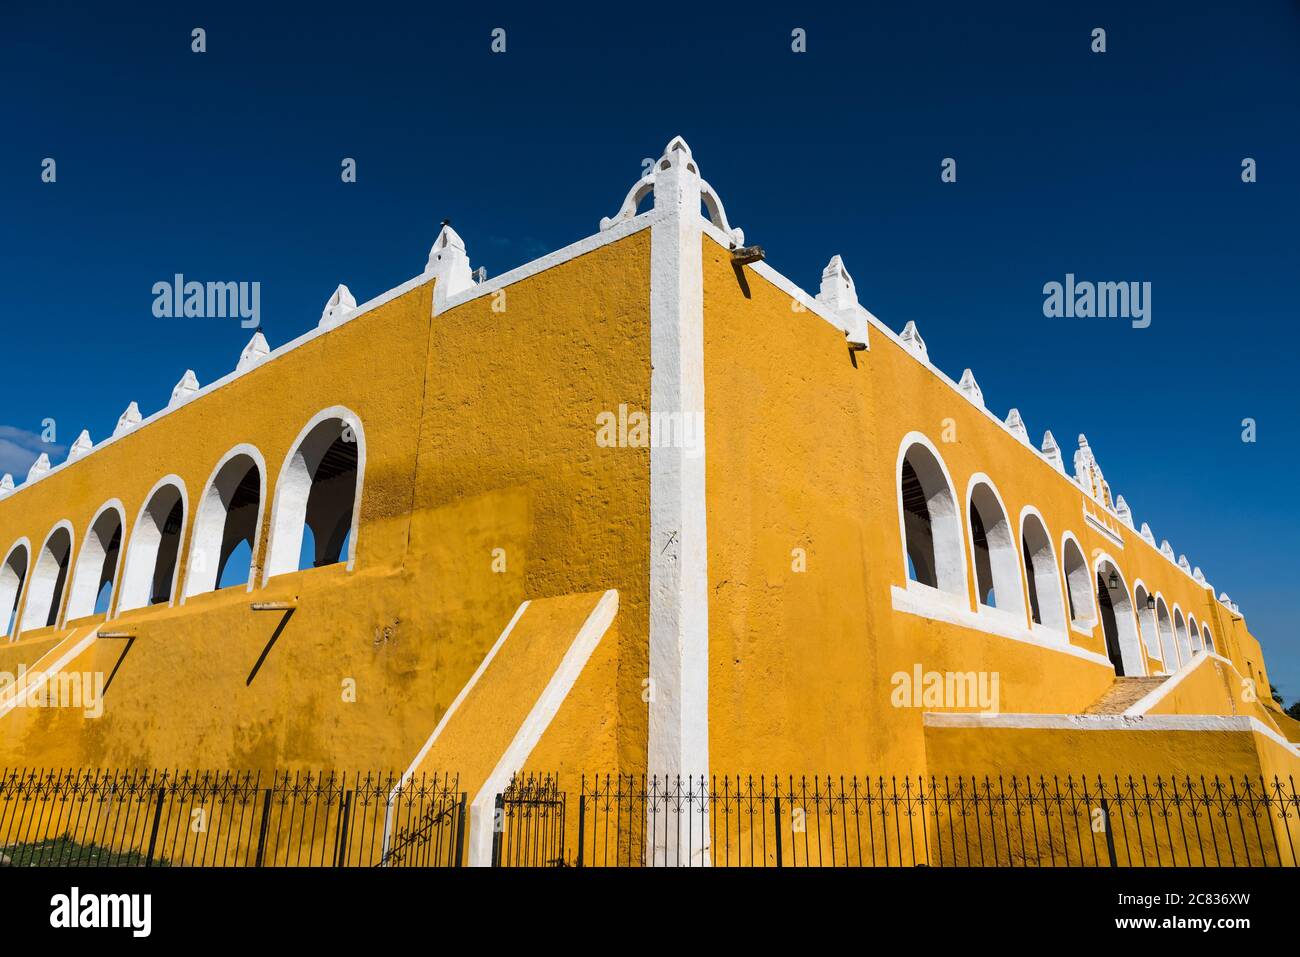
x: 1151, y: 772
x: 1212, y: 687
x: 803, y: 444
x: 479, y: 429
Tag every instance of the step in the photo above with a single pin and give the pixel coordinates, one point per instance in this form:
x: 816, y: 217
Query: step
x: 1123, y: 694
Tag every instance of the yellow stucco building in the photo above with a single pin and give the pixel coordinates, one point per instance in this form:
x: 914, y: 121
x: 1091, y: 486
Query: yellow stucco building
x: 642, y: 505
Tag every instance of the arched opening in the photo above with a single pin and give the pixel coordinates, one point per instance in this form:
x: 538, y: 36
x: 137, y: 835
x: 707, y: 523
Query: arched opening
x: 45, y: 592
x: 316, y: 497
x: 1165, y: 628
x: 931, y: 527
x: 1180, y: 637
x: 1115, y: 608
x: 997, y: 565
x: 226, y: 525
x: 151, y: 557
x: 96, y: 571
x: 1209, y: 639
x: 12, y: 575
x: 1078, y: 584
x: 1194, y: 635
x: 1045, y: 604
x: 1147, y: 621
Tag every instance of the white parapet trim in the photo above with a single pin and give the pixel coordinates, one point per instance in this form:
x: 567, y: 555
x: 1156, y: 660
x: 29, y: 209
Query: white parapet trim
x: 925, y: 602
x: 1106, y: 722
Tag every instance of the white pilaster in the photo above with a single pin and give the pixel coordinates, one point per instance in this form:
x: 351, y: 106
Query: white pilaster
x: 679, y: 605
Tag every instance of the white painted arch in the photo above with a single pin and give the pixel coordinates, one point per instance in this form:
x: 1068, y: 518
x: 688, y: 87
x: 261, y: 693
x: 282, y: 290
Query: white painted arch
x: 140, y: 571
x: 210, y: 512
x: 1005, y: 577
x: 1126, y: 624
x: 110, y: 519
x: 1180, y: 636
x: 294, y: 485
x: 1165, y: 628
x: 1147, y: 626
x: 44, y: 590
x: 1039, y: 554
x: 1078, y: 583
x: 13, y: 575
x: 945, y: 543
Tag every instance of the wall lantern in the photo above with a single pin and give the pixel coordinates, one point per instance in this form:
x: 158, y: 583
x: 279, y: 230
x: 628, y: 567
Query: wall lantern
x: 1151, y: 602
x: 1114, y: 580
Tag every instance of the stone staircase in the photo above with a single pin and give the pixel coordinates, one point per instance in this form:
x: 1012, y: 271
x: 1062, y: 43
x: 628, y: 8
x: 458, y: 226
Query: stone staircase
x: 1123, y: 694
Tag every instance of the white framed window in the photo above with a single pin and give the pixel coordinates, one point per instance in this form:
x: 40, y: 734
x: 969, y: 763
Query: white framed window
x: 318, y: 496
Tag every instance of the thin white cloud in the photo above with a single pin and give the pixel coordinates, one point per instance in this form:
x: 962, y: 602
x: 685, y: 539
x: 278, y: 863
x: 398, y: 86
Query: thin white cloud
x: 20, y: 448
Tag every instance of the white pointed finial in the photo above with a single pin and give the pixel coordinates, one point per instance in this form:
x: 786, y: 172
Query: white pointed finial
x: 255, y: 352
x: 1017, y: 426
x: 1198, y: 576
x: 449, y: 263
x: 678, y: 144
x: 1083, y: 460
x: 6, y: 484
x: 128, y: 421
x: 675, y: 179
x: 1123, y: 511
x: 39, y: 468
x: 1167, y: 550
x: 1147, y: 535
x: 81, y: 446
x: 971, y: 388
x: 1052, y: 451
x: 837, y: 290
x: 185, y: 389
x: 839, y: 294
x: 340, y: 305
x: 911, y: 337
x: 1184, y: 564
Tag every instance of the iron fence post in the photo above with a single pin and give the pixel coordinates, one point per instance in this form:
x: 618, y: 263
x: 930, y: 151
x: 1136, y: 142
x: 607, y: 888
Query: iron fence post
x: 153, y: 835
x: 1110, y: 834
x: 266, y: 823
x: 498, y: 825
x: 341, y: 850
x: 582, y: 825
x: 776, y: 811
x: 460, y: 832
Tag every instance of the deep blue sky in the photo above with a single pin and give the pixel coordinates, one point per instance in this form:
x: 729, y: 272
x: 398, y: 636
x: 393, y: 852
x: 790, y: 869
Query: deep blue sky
x: 1122, y: 166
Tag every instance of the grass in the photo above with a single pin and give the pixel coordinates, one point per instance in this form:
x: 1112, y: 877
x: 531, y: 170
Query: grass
x: 65, y: 852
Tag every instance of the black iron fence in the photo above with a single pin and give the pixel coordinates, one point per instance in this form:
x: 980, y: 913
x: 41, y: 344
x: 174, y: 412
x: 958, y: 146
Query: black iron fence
x: 159, y: 818
x: 932, y: 821
x: 528, y: 827
x: 228, y: 819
